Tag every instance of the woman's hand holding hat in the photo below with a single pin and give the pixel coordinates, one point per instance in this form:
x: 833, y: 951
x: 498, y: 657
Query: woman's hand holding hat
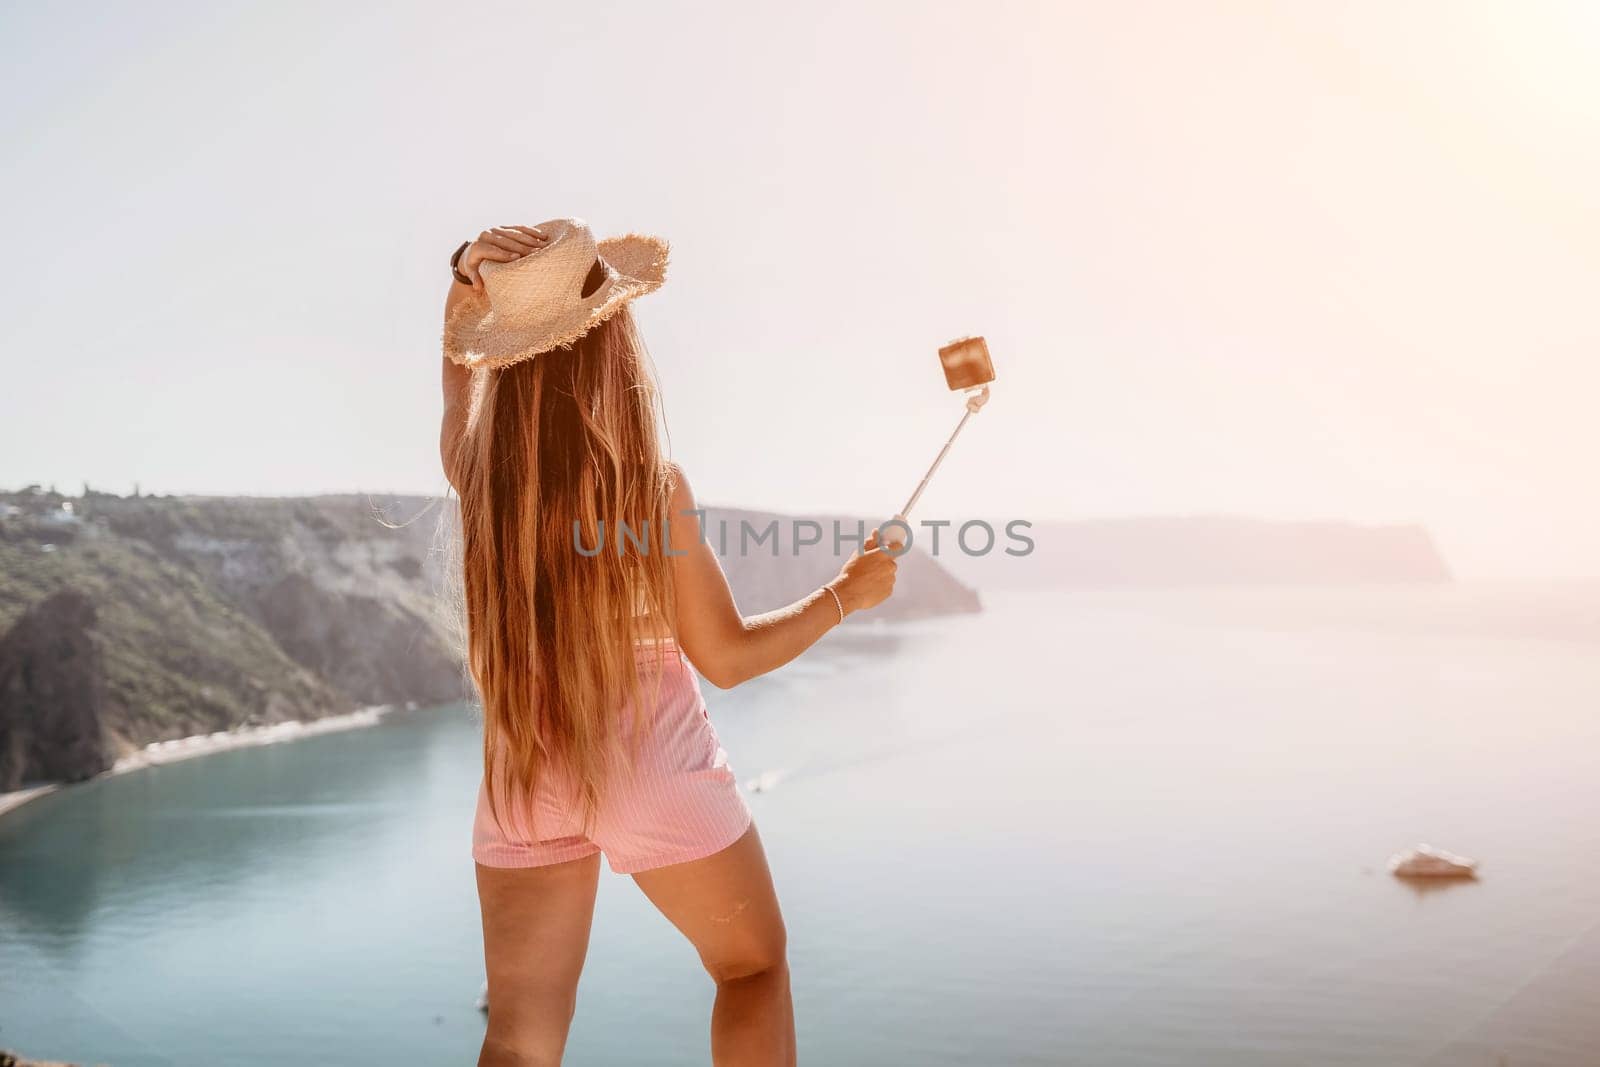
x: 502, y: 244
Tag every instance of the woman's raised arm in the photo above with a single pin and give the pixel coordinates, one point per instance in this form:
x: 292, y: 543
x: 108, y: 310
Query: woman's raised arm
x: 457, y: 384
x: 502, y: 244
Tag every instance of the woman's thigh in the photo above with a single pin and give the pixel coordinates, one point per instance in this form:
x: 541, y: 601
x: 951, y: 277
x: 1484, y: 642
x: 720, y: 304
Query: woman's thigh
x: 725, y: 904
x: 536, y: 923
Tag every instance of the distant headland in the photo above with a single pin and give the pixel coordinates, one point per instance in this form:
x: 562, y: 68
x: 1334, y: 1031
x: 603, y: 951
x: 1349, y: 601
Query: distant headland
x: 1210, y: 550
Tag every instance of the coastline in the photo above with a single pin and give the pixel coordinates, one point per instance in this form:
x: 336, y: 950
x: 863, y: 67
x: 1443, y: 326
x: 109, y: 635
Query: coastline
x: 17, y: 797
x: 158, y: 753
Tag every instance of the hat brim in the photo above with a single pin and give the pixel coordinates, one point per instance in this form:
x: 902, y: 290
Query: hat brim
x: 472, y: 337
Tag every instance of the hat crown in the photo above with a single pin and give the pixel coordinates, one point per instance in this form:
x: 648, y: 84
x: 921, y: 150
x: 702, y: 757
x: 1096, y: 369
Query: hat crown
x: 550, y: 279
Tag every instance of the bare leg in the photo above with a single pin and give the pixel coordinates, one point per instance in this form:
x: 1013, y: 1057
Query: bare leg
x: 535, y: 936
x: 726, y: 906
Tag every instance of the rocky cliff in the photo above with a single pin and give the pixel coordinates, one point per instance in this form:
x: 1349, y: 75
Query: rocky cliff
x: 52, y: 694
x: 11, y: 1059
x: 135, y: 619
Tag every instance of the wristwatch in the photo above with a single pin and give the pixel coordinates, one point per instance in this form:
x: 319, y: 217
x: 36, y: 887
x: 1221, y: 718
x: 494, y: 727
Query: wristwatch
x: 455, y: 268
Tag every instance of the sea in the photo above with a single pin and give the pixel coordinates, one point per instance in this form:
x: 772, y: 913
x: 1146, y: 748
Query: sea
x: 1102, y: 828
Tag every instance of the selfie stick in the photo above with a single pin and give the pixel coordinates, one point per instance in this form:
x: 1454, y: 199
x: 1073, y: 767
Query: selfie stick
x: 968, y: 369
x: 976, y: 398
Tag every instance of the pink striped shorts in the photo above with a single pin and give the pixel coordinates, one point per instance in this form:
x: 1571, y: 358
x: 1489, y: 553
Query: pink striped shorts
x: 679, y: 801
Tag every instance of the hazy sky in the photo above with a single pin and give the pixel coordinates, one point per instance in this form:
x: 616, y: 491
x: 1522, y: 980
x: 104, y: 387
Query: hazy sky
x: 1289, y: 260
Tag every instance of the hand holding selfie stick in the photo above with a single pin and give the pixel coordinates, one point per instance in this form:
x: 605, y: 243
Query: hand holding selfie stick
x: 966, y: 368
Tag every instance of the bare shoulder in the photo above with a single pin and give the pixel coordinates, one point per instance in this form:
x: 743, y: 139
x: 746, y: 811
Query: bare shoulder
x: 682, y: 498
x: 682, y: 511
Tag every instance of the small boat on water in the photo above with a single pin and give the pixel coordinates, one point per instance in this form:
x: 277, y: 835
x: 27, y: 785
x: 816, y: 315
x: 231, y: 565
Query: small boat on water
x: 482, y: 1003
x: 1425, y: 861
x: 765, y: 782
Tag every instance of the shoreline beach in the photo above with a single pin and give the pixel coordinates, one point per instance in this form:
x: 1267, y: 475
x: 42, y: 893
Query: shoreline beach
x: 158, y: 753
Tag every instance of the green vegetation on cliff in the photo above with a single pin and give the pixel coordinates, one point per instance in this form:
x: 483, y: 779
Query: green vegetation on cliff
x: 179, y: 658
x: 209, y: 614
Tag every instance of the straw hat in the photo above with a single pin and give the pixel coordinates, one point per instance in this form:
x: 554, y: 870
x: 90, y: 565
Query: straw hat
x: 551, y: 297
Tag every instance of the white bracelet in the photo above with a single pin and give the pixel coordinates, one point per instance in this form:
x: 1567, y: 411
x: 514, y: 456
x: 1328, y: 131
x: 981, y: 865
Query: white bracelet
x: 836, y: 601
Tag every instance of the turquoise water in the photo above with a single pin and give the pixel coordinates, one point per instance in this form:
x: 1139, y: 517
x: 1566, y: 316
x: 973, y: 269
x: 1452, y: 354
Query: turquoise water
x: 1100, y: 829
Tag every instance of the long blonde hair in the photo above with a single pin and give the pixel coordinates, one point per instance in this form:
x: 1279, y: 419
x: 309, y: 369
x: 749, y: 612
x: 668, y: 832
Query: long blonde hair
x: 569, y: 437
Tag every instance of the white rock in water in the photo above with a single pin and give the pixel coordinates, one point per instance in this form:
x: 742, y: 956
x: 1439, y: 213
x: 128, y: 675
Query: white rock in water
x: 1425, y: 861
